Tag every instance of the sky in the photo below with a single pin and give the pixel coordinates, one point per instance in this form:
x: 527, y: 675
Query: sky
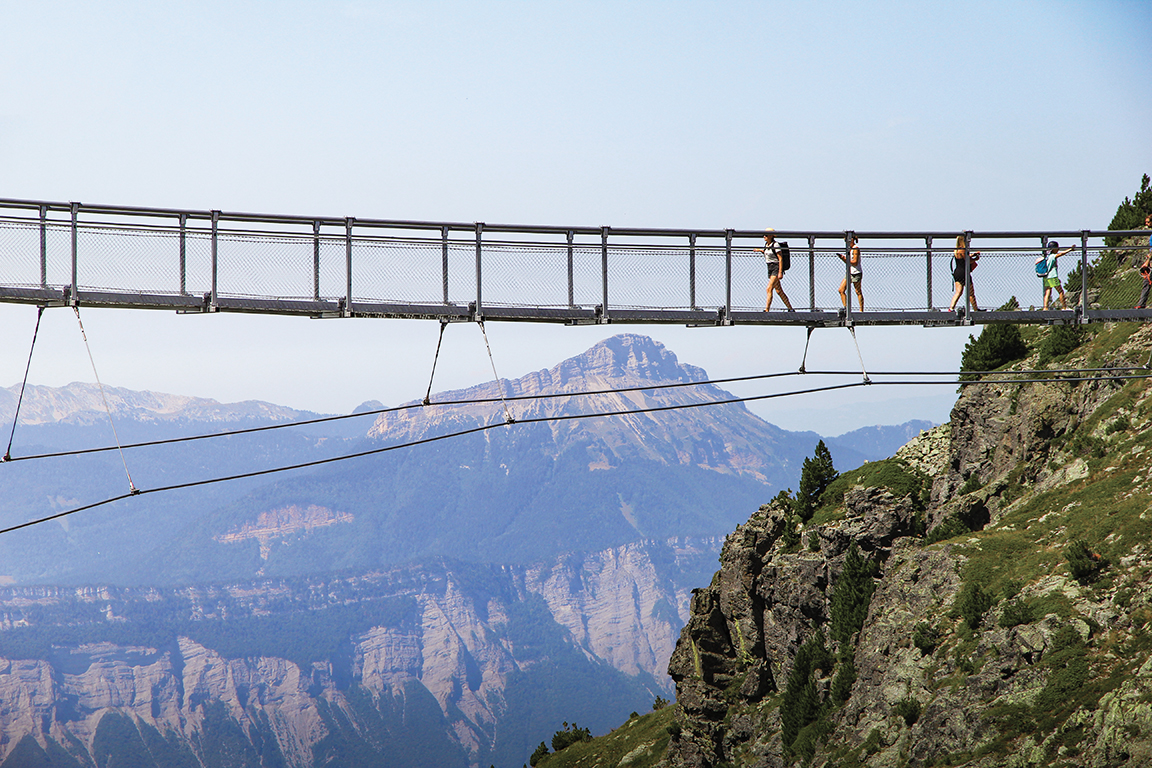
x: 814, y: 115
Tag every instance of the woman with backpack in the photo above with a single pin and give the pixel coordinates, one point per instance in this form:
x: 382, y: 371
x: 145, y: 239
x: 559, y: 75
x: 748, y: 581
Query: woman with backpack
x: 1048, y: 271
x: 963, y: 261
x: 773, y: 258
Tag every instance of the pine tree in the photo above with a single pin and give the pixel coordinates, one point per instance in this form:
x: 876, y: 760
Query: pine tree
x: 1131, y: 213
x: 815, y: 477
x: 997, y: 345
x: 852, y: 595
x: 801, y: 704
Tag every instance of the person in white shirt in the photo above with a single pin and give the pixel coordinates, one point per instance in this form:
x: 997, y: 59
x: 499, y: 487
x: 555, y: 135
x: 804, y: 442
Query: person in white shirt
x: 771, y: 251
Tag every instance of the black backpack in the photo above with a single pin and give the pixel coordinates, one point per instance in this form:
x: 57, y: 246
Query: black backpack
x: 785, y: 257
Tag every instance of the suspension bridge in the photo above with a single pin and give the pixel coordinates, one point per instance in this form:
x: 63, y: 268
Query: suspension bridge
x: 198, y: 261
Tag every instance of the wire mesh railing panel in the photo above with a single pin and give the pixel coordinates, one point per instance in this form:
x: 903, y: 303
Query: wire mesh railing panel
x: 649, y: 278
x: 20, y: 253
x: 126, y: 259
x: 530, y: 274
x: 197, y: 263
x: 587, y: 276
x: 270, y: 267
x: 943, y: 285
x: 710, y: 277
x: 1000, y: 276
x: 749, y: 280
x: 408, y: 272
x: 828, y: 275
x: 333, y: 268
x: 1115, y: 280
x: 461, y: 273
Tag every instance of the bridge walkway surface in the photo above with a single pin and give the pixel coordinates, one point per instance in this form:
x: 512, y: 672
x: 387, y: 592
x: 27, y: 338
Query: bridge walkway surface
x: 196, y: 261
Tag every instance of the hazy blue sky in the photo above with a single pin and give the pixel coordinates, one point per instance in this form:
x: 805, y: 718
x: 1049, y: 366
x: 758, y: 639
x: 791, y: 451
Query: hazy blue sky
x: 825, y: 115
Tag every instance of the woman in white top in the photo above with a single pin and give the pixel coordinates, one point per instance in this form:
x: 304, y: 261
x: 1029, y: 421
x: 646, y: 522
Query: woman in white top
x: 771, y: 251
x: 855, y: 273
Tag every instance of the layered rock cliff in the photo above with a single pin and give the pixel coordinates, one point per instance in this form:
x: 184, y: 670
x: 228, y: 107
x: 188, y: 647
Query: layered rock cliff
x: 413, y: 666
x: 980, y: 599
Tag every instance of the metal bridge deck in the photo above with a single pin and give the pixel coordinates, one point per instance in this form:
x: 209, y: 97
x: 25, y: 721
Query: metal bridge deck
x: 54, y: 253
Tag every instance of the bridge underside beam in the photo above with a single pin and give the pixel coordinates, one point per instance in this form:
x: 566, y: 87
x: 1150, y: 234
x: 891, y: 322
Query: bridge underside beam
x: 190, y: 304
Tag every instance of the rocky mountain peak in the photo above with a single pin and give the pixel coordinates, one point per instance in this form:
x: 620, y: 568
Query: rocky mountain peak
x: 628, y: 355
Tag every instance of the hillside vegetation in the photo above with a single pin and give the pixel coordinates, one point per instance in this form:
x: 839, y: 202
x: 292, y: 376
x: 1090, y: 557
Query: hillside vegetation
x: 978, y: 599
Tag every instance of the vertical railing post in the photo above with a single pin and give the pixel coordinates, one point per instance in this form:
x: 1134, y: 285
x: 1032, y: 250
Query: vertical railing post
x: 444, y: 261
x: 348, y: 222
x: 848, y: 236
x: 75, y: 212
x: 811, y: 273
x: 968, y: 277
x: 728, y: 277
x: 183, y: 254
x: 43, y: 246
x: 316, y: 260
x: 692, y: 271
x: 479, y: 273
x: 1084, y: 276
x: 604, y: 273
x: 571, y: 287
x: 928, y: 259
x: 215, y: 230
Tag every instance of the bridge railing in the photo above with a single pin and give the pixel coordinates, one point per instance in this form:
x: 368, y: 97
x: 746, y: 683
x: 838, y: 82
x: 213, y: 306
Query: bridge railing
x: 188, y: 260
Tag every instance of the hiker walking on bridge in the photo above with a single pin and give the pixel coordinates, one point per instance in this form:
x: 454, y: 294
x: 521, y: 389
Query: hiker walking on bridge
x: 1051, y: 275
x: 1146, y: 268
x: 963, y: 262
x: 854, y: 272
x: 772, y: 257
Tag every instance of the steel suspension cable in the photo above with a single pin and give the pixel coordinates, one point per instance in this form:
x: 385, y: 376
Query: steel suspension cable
x: 541, y: 419
x: 410, y: 406
x: 500, y: 384
x: 428, y: 394
x: 24, y: 383
x: 413, y: 443
x: 131, y: 486
x: 609, y: 391
x: 534, y: 420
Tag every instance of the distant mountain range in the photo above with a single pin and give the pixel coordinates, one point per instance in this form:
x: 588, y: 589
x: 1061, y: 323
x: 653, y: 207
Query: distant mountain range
x: 512, y: 494
x: 447, y: 604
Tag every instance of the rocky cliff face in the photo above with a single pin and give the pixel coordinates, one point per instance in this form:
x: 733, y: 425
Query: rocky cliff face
x: 1001, y: 602
x: 420, y: 661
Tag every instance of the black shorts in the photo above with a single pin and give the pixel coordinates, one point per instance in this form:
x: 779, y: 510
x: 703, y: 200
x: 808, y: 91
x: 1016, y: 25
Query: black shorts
x: 773, y: 269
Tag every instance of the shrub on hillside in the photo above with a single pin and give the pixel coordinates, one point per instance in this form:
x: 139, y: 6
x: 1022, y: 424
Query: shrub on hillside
x: 909, y: 709
x: 926, y: 638
x: 1060, y: 340
x: 1083, y: 562
x: 972, y: 603
x: 540, y: 753
x: 997, y: 345
x: 569, y: 736
x: 1015, y: 612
